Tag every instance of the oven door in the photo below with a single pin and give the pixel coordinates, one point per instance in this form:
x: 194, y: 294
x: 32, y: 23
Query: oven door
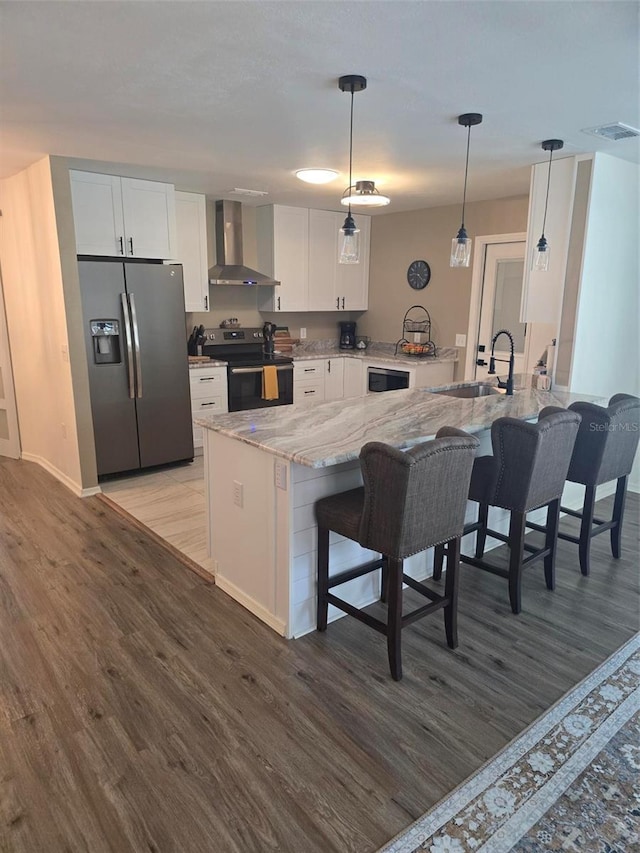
x: 387, y: 380
x: 245, y: 388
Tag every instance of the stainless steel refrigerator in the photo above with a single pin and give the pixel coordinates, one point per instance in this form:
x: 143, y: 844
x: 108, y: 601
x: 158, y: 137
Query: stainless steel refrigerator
x: 134, y: 325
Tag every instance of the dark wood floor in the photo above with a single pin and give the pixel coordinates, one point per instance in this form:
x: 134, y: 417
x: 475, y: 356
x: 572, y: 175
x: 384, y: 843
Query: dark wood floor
x: 144, y: 710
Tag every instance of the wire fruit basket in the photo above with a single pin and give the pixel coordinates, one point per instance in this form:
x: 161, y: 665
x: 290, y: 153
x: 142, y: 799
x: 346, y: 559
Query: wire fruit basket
x: 417, y: 324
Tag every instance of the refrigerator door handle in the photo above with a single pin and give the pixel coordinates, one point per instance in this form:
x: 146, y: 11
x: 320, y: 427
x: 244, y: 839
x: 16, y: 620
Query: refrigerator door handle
x: 136, y: 344
x: 127, y: 335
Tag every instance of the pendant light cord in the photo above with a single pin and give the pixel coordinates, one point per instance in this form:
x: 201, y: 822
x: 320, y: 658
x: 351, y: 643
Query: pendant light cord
x: 546, y: 201
x: 466, y: 170
x: 350, y: 148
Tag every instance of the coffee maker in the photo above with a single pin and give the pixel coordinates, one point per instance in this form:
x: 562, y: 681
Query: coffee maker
x: 268, y: 334
x: 347, y: 338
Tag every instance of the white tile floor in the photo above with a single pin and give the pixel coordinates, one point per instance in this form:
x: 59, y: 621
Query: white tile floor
x: 171, y: 503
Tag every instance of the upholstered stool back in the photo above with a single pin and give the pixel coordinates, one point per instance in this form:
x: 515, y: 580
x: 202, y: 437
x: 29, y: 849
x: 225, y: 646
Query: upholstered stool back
x: 607, y: 440
x: 416, y: 498
x: 532, y: 460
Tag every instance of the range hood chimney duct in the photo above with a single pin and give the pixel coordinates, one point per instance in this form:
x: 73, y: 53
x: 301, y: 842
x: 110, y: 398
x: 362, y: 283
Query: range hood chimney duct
x: 230, y: 268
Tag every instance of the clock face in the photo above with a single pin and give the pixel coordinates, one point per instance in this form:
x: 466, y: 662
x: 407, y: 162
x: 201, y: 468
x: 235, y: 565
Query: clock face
x: 418, y: 274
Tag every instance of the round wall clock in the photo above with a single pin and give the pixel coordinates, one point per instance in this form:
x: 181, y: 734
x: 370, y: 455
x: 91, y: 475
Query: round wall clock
x: 418, y: 274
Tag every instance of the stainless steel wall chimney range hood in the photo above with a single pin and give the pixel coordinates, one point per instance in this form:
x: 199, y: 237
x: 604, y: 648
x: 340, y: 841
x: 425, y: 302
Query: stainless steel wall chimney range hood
x: 230, y: 269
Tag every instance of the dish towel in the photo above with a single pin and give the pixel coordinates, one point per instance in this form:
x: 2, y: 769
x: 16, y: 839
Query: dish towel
x: 270, y: 383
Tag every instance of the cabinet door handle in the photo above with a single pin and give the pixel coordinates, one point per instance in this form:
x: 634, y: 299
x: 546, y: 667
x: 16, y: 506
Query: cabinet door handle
x: 309, y: 370
x: 121, y: 241
x: 481, y: 362
x: 278, y: 303
x: 202, y: 405
x: 207, y: 379
x: 338, y: 303
x: 206, y: 303
x: 310, y: 392
x: 131, y: 244
x: 343, y: 303
x: 329, y: 366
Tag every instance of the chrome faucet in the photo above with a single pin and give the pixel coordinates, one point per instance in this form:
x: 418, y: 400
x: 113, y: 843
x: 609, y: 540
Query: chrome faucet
x: 492, y: 361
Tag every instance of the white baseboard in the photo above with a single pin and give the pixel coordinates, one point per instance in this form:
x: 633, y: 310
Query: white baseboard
x: 76, y: 488
x: 251, y: 605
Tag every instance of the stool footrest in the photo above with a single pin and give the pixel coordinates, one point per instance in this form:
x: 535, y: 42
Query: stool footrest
x: 351, y: 574
x: 361, y: 615
x: 495, y: 534
x: 421, y: 588
x: 487, y: 567
x: 576, y: 513
x: 419, y: 612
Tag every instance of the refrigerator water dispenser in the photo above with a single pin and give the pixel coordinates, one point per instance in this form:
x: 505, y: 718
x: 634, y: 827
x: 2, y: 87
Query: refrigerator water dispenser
x: 105, y: 335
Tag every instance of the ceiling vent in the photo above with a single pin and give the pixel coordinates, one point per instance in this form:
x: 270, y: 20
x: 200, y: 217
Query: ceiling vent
x: 614, y: 132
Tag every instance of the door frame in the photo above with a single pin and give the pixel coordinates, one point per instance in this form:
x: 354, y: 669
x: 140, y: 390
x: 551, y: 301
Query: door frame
x: 11, y: 446
x: 475, y: 302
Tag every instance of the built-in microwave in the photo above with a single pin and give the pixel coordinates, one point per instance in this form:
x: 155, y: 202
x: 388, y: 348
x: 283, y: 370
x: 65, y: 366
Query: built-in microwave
x: 384, y: 379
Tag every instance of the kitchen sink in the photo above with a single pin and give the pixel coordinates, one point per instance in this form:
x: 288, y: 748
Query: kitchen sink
x: 479, y: 389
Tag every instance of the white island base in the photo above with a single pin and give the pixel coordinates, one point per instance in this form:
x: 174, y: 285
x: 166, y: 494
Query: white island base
x: 263, y: 539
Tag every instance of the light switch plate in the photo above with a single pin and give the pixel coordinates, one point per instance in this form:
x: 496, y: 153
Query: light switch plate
x: 237, y: 493
x: 461, y: 340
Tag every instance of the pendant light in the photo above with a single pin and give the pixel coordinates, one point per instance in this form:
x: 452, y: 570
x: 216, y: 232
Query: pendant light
x: 349, y: 235
x: 461, y: 243
x: 541, y: 254
x: 364, y: 193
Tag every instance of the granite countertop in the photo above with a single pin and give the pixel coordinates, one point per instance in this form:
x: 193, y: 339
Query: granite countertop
x: 213, y: 362
x: 333, y: 432
x: 374, y: 353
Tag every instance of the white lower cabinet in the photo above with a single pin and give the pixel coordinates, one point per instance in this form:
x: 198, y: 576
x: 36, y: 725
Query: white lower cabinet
x: 318, y: 379
x: 354, y: 378
x: 208, y: 396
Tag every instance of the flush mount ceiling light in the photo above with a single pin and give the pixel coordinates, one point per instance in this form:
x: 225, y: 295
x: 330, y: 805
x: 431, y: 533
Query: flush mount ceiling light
x: 541, y: 254
x: 349, y: 236
x: 317, y: 176
x: 364, y: 193
x: 461, y: 243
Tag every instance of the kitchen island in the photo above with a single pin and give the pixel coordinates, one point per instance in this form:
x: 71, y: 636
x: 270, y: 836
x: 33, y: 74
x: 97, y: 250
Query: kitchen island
x: 264, y: 470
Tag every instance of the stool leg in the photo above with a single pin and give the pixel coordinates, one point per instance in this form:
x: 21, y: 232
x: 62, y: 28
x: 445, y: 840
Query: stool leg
x: 394, y: 619
x: 551, y: 542
x: 618, y: 515
x: 438, y: 559
x: 481, y: 535
x: 451, y: 592
x: 384, y: 580
x: 323, y: 578
x: 584, y: 545
x: 516, y: 547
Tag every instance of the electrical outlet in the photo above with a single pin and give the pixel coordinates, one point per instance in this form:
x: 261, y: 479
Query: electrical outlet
x: 303, y: 333
x: 281, y: 475
x: 461, y: 340
x: 237, y: 493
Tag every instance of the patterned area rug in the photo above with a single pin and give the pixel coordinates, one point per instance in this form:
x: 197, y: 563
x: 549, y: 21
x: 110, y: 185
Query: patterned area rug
x: 570, y: 782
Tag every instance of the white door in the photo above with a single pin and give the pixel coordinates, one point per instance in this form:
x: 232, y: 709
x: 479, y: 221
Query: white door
x: 9, y: 435
x: 500, y: 309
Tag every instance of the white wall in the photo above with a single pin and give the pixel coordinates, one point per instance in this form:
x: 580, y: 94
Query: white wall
x: 606, y: 358
x: 36, y: 317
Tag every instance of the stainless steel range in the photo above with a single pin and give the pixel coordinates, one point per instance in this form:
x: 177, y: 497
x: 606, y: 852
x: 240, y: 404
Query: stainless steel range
x: 244, y: 352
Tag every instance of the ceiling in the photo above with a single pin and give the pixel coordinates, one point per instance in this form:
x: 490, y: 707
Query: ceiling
x: 217, y: 95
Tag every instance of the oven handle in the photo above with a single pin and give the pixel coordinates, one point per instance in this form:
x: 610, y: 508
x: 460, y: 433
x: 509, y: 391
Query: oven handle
x: 235, y: 370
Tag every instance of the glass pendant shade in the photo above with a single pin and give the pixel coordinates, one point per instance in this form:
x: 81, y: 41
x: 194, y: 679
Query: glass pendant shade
x: 349, y: 242
x: 541, y: 256
x: 460, y: 250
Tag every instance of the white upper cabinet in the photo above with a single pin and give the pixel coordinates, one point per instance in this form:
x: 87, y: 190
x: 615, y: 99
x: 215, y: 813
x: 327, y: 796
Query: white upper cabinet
x: 191, y: 226
x: 299, y: 247
x: 283, y: 252
x: 352, y: 280
x: 123, y: 217
x: 542, y: 291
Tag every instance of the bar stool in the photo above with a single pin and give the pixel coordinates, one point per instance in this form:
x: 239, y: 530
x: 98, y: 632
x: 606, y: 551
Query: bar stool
x: 527, y: 471
x: 410, y: 501
x: 605, y: 449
